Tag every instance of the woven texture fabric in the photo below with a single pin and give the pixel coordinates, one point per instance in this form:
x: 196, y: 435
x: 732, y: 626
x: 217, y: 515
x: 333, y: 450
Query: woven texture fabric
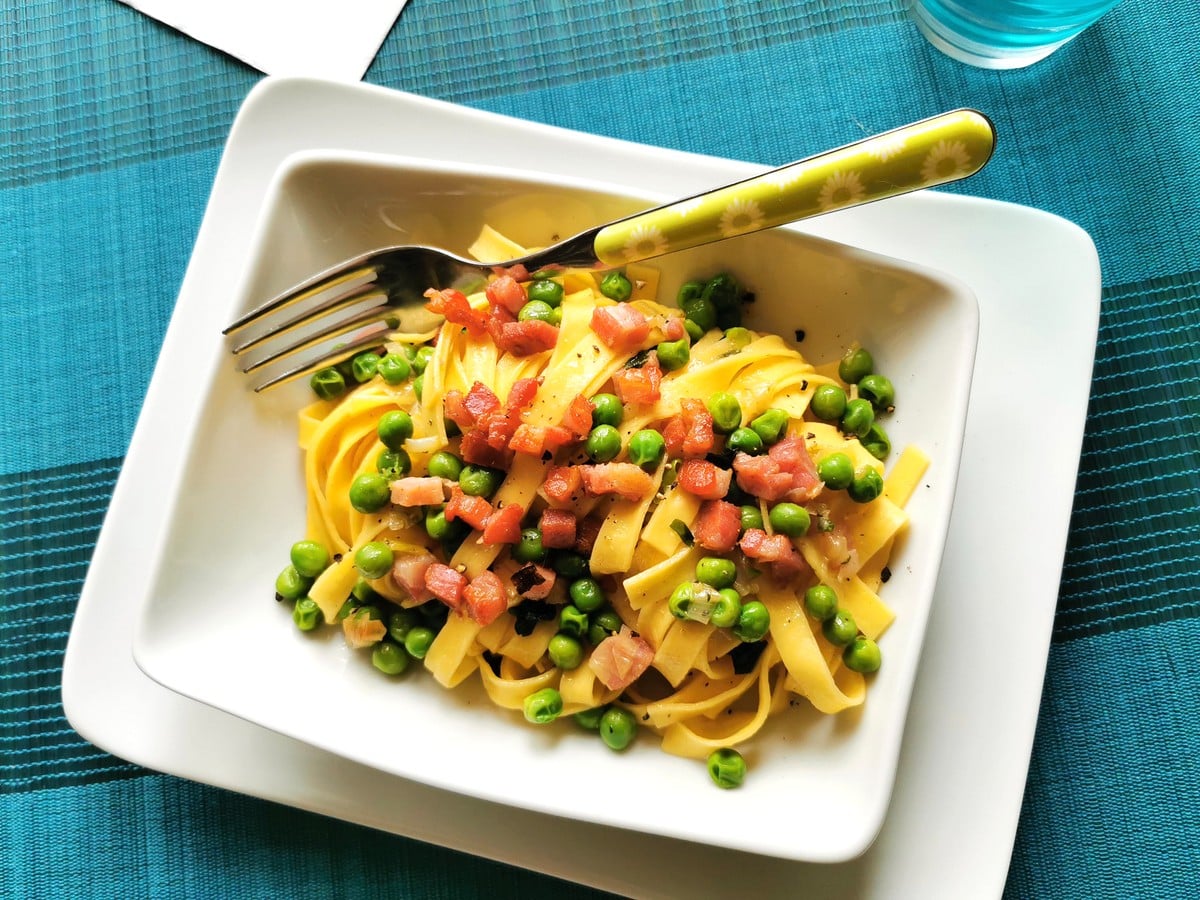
x: 111, y: 128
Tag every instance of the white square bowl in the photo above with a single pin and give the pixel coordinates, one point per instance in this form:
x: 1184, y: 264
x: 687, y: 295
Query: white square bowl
x: 819, y: 786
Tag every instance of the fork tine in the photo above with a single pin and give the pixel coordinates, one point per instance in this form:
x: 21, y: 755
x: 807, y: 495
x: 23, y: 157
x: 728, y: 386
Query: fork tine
x: 274, y: 311
x: 373, y: 336
x: 375, y: 316
x: 325, y: 310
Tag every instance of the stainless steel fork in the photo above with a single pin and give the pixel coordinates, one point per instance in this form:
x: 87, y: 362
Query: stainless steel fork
x: 354, y: 305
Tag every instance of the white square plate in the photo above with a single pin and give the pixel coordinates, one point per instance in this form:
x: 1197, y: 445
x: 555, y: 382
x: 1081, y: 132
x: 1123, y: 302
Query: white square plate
x: 966, y: 747
x: 819, y: 785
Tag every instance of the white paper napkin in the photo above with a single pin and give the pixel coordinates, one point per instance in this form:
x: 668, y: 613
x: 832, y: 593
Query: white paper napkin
x: 334, y: 39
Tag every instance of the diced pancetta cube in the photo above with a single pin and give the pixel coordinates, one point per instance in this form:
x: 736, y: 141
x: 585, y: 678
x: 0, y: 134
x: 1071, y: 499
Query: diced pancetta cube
x: 704, y: 479
x: 455, y: 306
x: 563, y: 484
x: 506, y: 292
x: 475, y: 511
x: 446, y: 584
x: 717, y: 526
x: 558, y: 528
x: 621, y: 327
x: 620, y: 478
x: 504, y: 525
x: 408, y: 573
x: 484, y: 598
x: 620, y: 659
x: 418, y: 491
x: 641, y: 384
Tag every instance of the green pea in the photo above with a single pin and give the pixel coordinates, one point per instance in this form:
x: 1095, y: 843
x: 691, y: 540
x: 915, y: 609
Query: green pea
x: 836, y: 471
x: 877, y: 443
x: 618, y: 727
x: 418, y: 640
x: 603, y: 444
x: 543, y: 707
x: 395, y: 428
x: 828, y: 402
x: 546, y: 291
x: 393, y: 464
x: 689, y: 291
x: 590, y: 718
x: 419, y: 386
x: 306, y: 614
x: 389, y: 658
x: 348, y: 606
x: 856, y: 364
x: 616, y: 286
x: 573, y: 621
x: 726, y: 412
x: 727, y: 609
x: 862, y: 655
x: 436, y: 524
x: 586, y: 594
x: 327, y: 383
x: 866, y: 486
x: 694, y: 331
x: 536, y: 311
x: 858, y: 417
x: 569, y: 564
x: 702, y: 311
x: 363, y: 593
x: 364, y: 366
x: 751, y: 517
x: 723, y: 291
x: 821, y: 602
x: 373, y: 560
x: 421, y: 359
x: 739, y: 337
x: 401, y: 622
x: 745, y: 440
x: 727, y: 768
x: 840, y: 629
x: 674, y: 355
x: 394, y: 368
x: 528, y: 548
x: 604, y: 623
x: 789, y: 518
x: 681, y: 599
x: 444, y: 464
x: 647, y: 448
x: 565, y: 651
x: 310, y: 558
x: 754, y: 622
x: 716, y: 572
x: 369, y: 492
x: 607, y: 409
x: 879, y: 390
x: 479, y: 481
x: 771, y: 425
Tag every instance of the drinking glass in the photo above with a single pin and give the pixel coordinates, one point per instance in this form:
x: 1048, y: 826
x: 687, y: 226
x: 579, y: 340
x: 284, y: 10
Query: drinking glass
x: 1004, y: 34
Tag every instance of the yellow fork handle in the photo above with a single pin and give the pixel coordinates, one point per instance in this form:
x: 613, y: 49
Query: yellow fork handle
x: 934, y: 151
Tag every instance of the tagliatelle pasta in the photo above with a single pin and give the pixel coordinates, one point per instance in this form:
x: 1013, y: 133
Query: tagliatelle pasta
x: 683, y: 555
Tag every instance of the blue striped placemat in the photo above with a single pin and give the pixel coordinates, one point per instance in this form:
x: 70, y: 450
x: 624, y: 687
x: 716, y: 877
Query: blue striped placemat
x: 112, y: 130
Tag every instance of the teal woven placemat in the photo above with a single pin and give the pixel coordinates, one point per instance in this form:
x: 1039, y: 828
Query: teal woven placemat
x: 110, y: 133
